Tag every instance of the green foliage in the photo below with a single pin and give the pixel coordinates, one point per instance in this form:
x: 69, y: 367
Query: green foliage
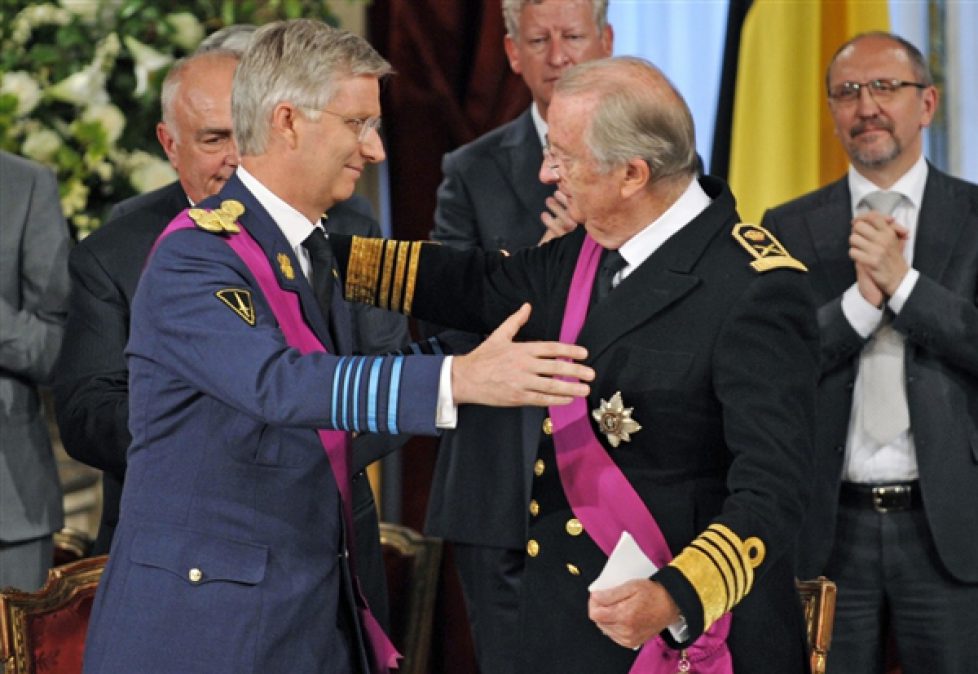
x: 80, y: 81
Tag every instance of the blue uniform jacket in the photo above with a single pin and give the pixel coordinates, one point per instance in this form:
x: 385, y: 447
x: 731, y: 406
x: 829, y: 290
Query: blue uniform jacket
x: 229, y: 555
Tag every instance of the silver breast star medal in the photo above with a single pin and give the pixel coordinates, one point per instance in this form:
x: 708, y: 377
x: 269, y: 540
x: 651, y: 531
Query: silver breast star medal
x: 616, y: 420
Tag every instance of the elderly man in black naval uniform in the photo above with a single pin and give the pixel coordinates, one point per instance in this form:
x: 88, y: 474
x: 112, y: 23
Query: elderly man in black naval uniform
x: 697, y: 436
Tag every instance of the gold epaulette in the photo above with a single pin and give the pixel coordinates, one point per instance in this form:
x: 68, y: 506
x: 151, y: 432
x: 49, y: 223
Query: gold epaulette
x: 720, y: 567
x: 220, y: 220
x: 767, y: 251
x: 383, y: 273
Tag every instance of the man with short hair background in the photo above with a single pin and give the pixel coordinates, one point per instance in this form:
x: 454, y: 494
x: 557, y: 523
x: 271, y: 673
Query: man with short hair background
x: 893, y: 249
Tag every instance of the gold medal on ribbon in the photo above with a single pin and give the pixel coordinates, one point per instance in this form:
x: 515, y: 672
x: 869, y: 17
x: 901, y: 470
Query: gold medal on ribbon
x: 616, y: 420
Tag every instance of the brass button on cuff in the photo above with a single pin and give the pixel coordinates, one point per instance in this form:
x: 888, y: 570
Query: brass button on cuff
x: 532, y: 548
x: 574, y: 527
x: 534, y: 507
x: 195, y: 575
x: 573, y: 570
x: 548, y: 426
x: 539, y: 467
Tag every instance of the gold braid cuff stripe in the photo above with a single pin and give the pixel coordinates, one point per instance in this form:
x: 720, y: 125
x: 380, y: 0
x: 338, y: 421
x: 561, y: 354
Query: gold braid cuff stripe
x: 383, y: 273
x: 361, y: 276
x: 720, y: 567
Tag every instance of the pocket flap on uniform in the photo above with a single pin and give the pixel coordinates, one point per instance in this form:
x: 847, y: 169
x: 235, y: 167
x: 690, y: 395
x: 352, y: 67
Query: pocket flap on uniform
x: 199, y: 557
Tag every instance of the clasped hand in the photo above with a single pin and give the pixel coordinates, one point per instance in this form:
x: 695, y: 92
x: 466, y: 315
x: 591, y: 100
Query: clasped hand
x: 876, y: 246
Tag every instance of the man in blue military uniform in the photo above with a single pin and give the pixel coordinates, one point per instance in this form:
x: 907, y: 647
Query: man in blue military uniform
x: 697, y: 436
x: 231, y: 550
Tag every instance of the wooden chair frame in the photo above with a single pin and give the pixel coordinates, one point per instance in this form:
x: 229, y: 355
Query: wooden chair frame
x: 64, y: 584
x: 818, y: 603
x: 426, y: 552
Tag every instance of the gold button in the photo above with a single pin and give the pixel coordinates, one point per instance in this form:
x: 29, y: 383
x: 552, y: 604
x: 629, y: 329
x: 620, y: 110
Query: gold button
x: 573, y: 570
x: 532, y: 548
x: 548, y: 426
x: 539, y: 467
x: 534, y: 507
x: 574, y: 527
x: 195, y: 575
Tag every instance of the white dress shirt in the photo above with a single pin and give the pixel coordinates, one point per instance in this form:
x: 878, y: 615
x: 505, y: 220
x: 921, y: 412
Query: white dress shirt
x: 866, y: 460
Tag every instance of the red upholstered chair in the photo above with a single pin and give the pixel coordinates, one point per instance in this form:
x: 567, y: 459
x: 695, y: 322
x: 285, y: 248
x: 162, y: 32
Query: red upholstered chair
x: 43, y: 632
x: 412, y: 563
x: 818, y: 603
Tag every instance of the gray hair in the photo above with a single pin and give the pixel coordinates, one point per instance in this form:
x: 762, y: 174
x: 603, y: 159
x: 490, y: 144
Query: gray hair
x: 174, y: 78
x: 513, y: 8
x: 235, y: 37
x: 639, y: 113
x: 300, y: 61
x: 918, y: 62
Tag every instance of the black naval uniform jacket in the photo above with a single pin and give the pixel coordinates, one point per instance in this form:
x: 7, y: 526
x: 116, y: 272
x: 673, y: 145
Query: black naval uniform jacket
x: 719, y: 362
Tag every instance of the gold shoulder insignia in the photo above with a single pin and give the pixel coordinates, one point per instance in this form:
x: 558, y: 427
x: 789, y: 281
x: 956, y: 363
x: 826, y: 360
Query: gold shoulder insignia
x: 720, y: 567
x: 219, y: 220
x: 767, y: 251
x: 239, y: 301
x: 285, y: 264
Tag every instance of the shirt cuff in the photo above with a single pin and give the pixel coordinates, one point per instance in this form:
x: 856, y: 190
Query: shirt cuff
x: 903, y: 291
x: 446, y: 414
x: 679, y: 630
x: 862, y: 316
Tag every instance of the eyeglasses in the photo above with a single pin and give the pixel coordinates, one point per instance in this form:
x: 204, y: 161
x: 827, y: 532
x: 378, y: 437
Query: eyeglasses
x: 879, y: 90
x: 362, y: 126
x: 554, y: 159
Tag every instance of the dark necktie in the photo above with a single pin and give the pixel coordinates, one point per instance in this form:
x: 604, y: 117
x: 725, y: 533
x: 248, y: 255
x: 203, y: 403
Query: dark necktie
x: 321, y: 261
x: 611, y: 263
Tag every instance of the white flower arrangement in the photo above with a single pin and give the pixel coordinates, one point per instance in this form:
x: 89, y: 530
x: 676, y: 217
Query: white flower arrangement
x: 79, y: 87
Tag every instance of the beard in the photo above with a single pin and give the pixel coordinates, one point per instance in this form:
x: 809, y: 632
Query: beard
x: 880, y: 153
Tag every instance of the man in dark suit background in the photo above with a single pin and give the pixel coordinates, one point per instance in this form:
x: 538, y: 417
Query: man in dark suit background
x: 896, y: 479
x: 33, y: 293
x: 491, y: 198
x: 92, y: 392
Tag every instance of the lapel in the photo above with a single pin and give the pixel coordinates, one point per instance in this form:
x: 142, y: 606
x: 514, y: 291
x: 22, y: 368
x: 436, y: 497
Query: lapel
x: 939, y: 225
x: 268, y: 235
x: 519, y: 155
x: 828, y: 226
x: 663, y: 279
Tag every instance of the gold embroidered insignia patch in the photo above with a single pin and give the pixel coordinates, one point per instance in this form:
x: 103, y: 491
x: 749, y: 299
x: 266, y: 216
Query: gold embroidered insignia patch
x: 239, y: 300
x: 767, y: 251
x: 285, y: 265
x: 616, y: 420
x: 219, y: 220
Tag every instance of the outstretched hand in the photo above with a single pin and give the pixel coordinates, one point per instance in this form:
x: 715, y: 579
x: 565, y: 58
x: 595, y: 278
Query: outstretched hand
x: 504, y: 373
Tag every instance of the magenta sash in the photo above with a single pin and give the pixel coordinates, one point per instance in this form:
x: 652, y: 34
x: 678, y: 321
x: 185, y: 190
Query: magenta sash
x: 607, y: 504
x: 287, y: 310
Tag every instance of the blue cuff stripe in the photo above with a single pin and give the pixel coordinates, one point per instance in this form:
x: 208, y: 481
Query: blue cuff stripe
x: 372, y: 395
x: 345, y: 414
x: 436, y: 346
x: 337, y: 371
x: 355, y: 394
x: 395, y: 386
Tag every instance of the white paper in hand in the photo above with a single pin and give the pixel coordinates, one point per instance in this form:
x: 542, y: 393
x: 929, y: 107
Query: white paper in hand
x: 627, y: 562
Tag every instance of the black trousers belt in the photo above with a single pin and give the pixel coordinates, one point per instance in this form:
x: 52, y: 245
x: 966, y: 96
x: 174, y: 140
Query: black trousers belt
x: 883, y: 498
